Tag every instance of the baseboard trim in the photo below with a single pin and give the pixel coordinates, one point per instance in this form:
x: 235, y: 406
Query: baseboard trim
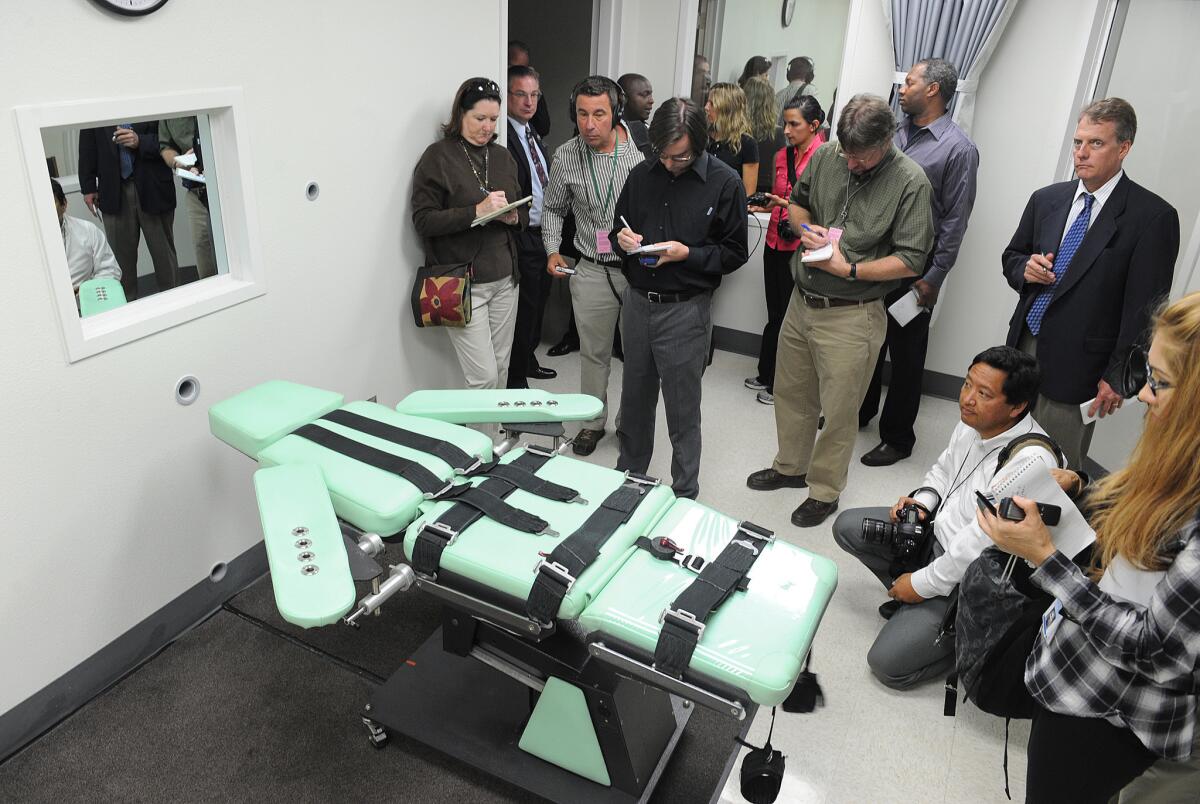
x: 736, y: 341
x: 43, y: 710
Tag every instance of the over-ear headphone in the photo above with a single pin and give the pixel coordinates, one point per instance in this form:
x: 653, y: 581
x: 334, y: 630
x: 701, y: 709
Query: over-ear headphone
x: 616, y: 95
x: 1029, y: 440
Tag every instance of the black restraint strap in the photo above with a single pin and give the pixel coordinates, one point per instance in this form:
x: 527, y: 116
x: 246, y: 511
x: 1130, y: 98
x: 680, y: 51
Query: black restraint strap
x: 684, y: 620
x: 458, y: 460
x: 425, y: 481
x: 437, y: 535
x: 574, y: 554
x: 526, y: 480
x: 486, y: 499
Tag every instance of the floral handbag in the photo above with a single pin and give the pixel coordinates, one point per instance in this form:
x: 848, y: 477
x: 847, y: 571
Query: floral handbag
x: 441, y: 295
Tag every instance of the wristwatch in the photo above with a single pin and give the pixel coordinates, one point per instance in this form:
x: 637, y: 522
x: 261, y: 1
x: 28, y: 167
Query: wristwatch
x: 853, y: 272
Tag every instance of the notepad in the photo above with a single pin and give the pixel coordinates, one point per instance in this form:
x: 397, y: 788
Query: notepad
x: 504, y: 210
x: 190, y: 176
x: 651, y: 248
x: 906, y: 308
x: 1031, y: 478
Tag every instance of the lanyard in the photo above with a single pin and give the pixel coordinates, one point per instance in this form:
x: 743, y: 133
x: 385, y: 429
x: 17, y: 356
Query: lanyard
x: 611, y: 178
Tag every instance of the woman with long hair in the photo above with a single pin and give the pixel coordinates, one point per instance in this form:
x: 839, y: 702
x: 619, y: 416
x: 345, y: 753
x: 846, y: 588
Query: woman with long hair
x: 730, y: 139
x: 755, y: 66
x: 765, y: 127
x: 463, y: 176
x: 802, y: 121
x: 1115, y: 666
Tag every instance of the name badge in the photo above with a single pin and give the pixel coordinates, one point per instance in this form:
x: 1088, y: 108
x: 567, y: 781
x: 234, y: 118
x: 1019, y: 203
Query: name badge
x: 1051, y: 620
x: 603, y: 246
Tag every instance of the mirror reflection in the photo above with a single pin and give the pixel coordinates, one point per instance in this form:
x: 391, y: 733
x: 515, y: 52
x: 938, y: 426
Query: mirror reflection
x: 137, y: 211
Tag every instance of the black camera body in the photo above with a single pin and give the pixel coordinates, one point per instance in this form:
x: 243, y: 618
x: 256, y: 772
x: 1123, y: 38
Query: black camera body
x: 906, y: 537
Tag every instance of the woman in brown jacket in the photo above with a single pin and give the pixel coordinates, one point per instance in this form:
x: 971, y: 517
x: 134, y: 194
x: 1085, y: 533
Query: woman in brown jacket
x: 459, y: 178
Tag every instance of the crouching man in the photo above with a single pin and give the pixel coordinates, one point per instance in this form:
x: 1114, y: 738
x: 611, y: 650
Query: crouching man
x: 920, y: 569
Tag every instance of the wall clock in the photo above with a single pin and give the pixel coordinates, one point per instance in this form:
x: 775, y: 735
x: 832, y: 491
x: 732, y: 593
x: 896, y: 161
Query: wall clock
x: 131, y: 8
x: 789, y: 8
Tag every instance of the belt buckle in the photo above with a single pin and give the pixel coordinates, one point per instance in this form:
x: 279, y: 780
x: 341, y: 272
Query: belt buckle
x: 556, y: 571
x: 654, y: 297
x: 817, y: 302
x: 684, y: 618
x: 443, y: 531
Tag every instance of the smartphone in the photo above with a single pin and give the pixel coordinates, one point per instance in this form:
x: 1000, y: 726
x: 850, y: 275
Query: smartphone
x: 562, y: 269
x: 649, y: 262
x: 984, y: 503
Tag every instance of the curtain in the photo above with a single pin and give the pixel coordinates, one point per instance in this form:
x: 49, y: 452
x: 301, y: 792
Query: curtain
x: 963, y: 32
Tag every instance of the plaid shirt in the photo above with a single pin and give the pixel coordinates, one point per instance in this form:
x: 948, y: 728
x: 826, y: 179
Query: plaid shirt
x: 1137, y: 666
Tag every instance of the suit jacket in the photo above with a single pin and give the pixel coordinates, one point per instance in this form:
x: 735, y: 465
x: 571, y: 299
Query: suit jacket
x: 1101, y: 309
x: 524, y: 169
x: 100, y: 169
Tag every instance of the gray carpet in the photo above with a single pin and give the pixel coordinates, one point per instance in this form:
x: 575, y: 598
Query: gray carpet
x: 246, y: 706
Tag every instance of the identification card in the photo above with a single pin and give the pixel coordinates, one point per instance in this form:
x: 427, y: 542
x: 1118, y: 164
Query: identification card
x: 1051, y: 620
x: 603, y: 246
x: 835, y: 234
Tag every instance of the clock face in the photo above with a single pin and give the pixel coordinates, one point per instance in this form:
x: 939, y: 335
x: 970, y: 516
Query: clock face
x: 131, y: 8
x: 789, y: 8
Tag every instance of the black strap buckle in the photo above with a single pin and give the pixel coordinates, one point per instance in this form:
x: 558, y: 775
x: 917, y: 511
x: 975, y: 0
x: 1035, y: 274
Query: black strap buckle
x: 641, y: 480
x: 440, y: 530
x: 537, y: 449
x: 556, y: 572
x: 693, y: 563
x: 470, y: 469
x: 684, y: 619
x: 433, y: 495
x: 756, y: 531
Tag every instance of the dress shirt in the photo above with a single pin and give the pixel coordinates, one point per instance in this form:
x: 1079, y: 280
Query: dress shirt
x: 967, y: 465
x: 884, y: 212
x: 1133, y: 664
x: 535, y: 208
x: 1100, y: 196
x: 570, y: 190
x: 950, y: 161
x: 704, y: 208
x: 783, y: 188
x: 88, y: 253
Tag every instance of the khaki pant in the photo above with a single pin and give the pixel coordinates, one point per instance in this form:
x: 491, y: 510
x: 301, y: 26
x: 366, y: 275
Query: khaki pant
x: 597, y: 311
x: 206, y: 257
x: 483, y: 346
x: 1167, y: 782
x: 824, y: 365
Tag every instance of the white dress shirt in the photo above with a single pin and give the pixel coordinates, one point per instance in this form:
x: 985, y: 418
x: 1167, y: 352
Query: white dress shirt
x: 535, y: 208
x: 88, y: 254
x: 967, y: 465
x: 1101, y: 196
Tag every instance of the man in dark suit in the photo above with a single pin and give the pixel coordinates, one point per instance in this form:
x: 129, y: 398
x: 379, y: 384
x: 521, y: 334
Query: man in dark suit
x: 1090, y: 260
x: 121, y: 172
x: 533, y: 171
x: 518, y: 56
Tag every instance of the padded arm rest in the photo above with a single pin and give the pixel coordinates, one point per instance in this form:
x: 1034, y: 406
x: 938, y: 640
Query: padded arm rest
x: 500, y: 406
x: 99, y: 295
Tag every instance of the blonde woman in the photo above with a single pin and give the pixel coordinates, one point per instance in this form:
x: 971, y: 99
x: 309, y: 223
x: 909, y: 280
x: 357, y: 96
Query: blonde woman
x: 729, y: 129
x: 765, y: 127
x: 1114, y: 667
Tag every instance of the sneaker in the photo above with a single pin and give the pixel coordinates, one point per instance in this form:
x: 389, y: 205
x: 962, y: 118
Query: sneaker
x: 812, y: 512
x: 770, y: 480
x: 755, y: 384
x: 765, y: 397
x: 585, y: 442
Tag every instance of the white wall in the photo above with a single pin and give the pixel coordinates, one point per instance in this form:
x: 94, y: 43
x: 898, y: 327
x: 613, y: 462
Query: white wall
x: 114, y: 499
x: 650, y: 41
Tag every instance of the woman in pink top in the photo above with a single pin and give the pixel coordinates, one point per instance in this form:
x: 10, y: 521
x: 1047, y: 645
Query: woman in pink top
x: 802, y: 118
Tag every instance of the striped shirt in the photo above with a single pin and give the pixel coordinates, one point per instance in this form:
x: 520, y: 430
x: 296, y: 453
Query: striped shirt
x: 1135, y: 665
x: 883, y: 212
x: 579, y: 183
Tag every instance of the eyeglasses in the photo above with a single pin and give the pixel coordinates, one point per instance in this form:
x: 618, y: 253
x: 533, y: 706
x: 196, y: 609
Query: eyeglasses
x: 1155, y: 384
x: 679, y: 160
x: 527, y: 95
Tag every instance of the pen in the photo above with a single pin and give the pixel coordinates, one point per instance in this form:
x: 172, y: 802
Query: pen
x: 627, y: 226
x: 806, y: 227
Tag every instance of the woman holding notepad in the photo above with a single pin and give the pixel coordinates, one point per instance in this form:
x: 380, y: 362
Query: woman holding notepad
x: 460, y: 179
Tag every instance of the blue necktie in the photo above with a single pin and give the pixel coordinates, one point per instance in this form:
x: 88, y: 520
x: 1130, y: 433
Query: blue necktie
x: 1062, y: 261
x: 126, y: 157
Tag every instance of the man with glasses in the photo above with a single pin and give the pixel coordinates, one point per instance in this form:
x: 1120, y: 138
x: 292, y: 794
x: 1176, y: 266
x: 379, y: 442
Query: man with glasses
x: 863, y: 211
x: 533, y: 168
x: 691, y: 209
x: 1091, y: 258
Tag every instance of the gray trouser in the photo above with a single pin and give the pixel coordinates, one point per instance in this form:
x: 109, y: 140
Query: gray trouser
x: 1062, y: 421
x: 666, y: 346
x: 124, y: 229
x: 904, y: 653
x: 597, y: 312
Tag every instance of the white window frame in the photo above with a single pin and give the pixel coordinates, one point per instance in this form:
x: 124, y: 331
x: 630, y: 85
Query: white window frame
x: 228, y: 164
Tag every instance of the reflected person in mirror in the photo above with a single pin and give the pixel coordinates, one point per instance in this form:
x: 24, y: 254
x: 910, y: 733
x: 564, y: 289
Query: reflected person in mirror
x: 122, y: 175
x: 88, y: 254
x: 178, y: 139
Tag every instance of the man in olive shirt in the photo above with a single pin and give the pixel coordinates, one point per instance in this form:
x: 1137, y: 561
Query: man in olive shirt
x: 178, y: 137
x: 871, y: 204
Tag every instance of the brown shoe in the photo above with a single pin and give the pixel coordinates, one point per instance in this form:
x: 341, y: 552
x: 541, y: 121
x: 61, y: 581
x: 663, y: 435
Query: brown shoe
x: 769, y: 480
x: 585, y: 442
x: 812, y: 512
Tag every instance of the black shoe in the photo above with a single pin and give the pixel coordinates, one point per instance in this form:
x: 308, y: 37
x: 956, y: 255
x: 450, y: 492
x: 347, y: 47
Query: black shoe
x: 769, y: 480
x: 812, y: 512
x: 585, y: 442
x: 886, y: 610
x: 563, y: 347
x: 884, y: 455
x: 539, y: 373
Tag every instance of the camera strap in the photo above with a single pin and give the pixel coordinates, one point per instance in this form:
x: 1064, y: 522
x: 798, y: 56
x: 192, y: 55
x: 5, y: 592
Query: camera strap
x: 683, y: 622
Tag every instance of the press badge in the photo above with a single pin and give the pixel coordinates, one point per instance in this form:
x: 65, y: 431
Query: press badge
x: 603, y: 244
x: 1051, y: 619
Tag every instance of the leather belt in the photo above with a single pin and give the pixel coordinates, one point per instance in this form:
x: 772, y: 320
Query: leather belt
x: 654, y: 297
x: 824, y: 302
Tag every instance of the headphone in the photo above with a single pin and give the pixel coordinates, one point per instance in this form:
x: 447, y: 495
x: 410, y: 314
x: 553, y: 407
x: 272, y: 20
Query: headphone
x: 1029, y: 440
x: 616, y: 95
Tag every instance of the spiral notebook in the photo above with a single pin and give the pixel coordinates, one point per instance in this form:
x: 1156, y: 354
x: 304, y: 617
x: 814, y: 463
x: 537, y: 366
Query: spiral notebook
x: 1030, y: 477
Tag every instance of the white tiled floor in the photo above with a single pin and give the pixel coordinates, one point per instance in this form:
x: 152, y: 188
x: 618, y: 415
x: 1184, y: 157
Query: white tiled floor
x: 868, y: 743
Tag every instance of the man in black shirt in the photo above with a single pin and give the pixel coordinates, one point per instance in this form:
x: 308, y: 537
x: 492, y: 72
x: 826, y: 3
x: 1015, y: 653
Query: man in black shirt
x: 692, y: 208
x: 639, y: 100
